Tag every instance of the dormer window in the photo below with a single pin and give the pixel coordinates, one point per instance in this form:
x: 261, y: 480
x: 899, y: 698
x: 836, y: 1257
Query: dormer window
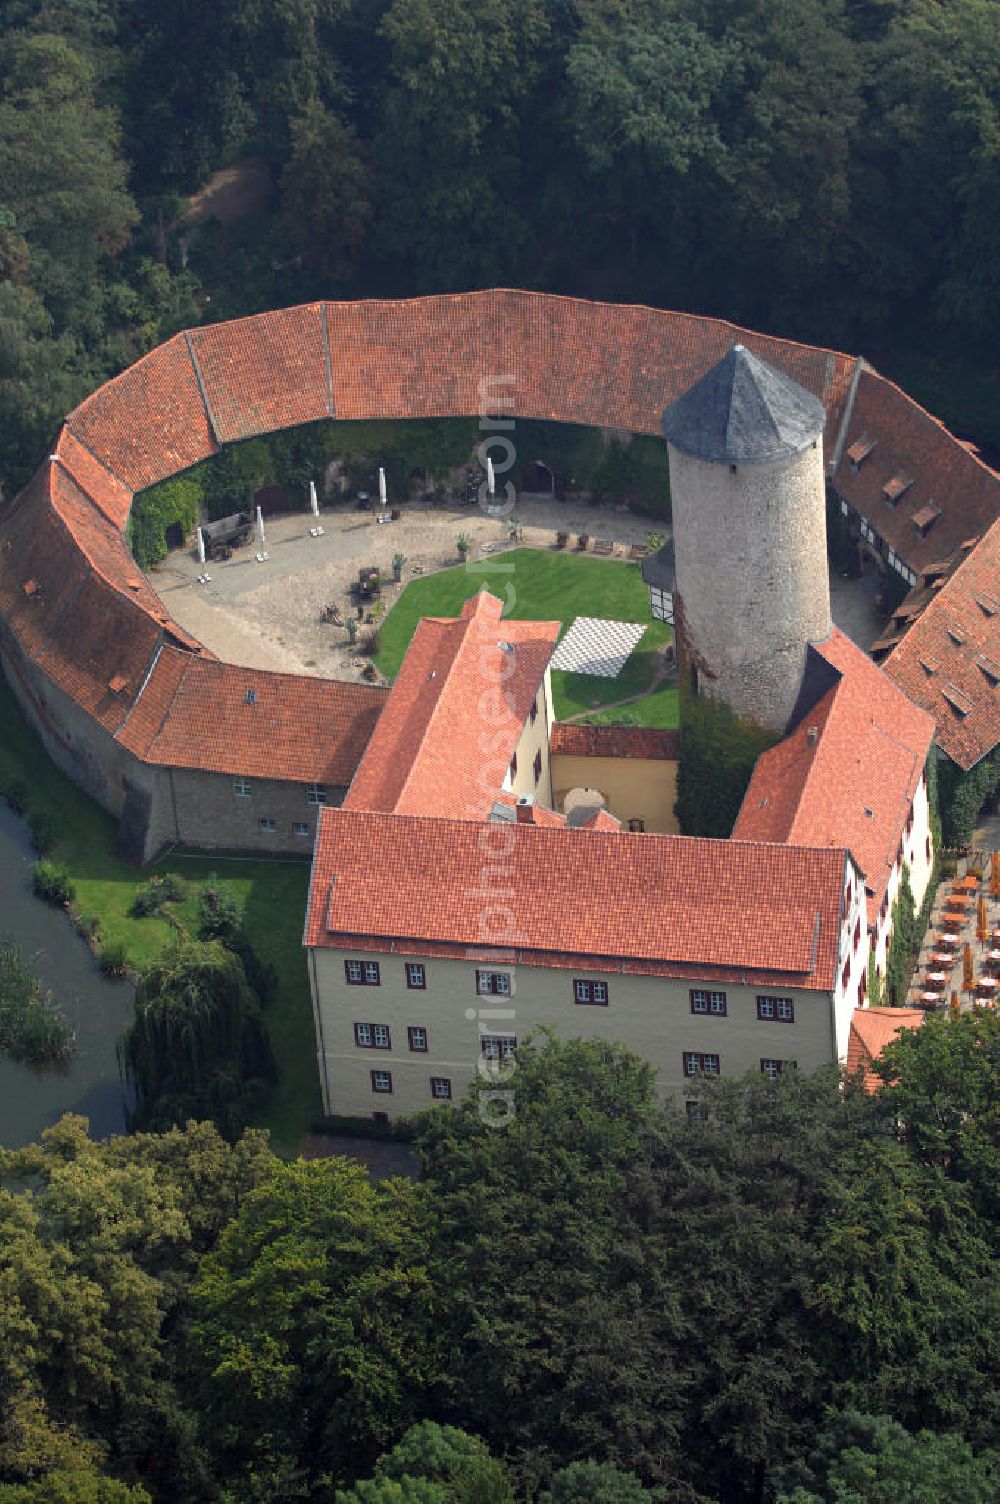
x: 925, y: 517
x: 897, y: 487
x: 957, y: 635
x: 859, y: 452
x: 988, y: 667
x: 960, y: 703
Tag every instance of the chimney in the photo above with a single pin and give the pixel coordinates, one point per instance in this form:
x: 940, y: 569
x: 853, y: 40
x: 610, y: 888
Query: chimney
x: 526, y: 809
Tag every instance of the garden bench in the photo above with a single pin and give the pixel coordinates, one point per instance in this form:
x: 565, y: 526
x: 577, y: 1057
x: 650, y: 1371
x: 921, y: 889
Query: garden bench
x: 604, y: 546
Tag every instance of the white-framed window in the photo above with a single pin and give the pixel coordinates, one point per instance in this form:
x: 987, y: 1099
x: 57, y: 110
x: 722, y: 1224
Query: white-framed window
x: 383, y: 1039
x: 594, y: 993
x: 493, y: 983
x: 267, y: 825
x: 697, y: 1063
x: 315, y: 793
x: 499, y: 1046
x: 300, y: 828
x: 779, y: 1009
x: 382, y: 1081
x: 416, y: 976
x: 441, y: 1088
x: 372, y: 1036
x: 417, y: 1037
x: 362, y: 973
x: 772, y: 1069
x: 241, y: 788
x: 705, y: 1000
x: 363, y: 1036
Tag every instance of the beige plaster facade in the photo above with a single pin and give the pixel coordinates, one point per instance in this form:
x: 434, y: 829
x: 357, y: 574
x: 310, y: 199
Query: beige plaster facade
x: 633, y: 788
x: 652, y: 1015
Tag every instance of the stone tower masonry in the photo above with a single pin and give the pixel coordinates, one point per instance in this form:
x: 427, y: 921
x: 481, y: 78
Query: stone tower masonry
x: 749, y: 508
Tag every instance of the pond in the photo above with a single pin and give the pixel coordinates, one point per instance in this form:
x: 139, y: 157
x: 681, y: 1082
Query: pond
x: 96, y: 1008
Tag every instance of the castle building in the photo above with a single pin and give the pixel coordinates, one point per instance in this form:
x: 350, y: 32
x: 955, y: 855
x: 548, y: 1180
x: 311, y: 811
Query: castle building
x: 749, y: 509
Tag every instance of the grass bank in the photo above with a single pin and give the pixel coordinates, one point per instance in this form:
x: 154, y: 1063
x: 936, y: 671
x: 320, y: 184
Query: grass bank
x: 549, y: 586
x: 273, y: 894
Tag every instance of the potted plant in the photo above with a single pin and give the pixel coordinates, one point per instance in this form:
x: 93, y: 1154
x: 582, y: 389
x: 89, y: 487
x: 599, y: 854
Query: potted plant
x: 398, y: 560
x: 583, y: 542
x: 562, y: 538
x: 352, y: 630
x: 463, y: 545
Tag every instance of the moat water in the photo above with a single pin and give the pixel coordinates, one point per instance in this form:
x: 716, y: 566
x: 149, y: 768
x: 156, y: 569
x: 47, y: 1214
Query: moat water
x: 97, y: 1009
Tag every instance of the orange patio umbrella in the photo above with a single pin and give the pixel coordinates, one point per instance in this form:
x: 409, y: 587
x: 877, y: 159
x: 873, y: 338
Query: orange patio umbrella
x: 995, y: 875
x: 954, y: 1002
x: 970, y: 881
x: 982, y: 921
x: 968, y: 971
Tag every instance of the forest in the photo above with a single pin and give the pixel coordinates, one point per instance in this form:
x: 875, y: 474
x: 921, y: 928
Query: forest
x: 788, y: 1295
x: 823, y: 169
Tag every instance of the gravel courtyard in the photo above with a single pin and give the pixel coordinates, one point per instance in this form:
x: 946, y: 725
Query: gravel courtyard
x: 269, y: 615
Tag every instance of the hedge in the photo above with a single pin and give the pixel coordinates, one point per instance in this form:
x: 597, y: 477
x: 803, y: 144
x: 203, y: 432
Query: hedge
x: 717, y: 754
x: 963, y: 795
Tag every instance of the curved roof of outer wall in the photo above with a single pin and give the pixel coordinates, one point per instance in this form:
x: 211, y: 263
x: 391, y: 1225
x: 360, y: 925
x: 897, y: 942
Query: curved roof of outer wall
x: 535, y: 355
x: 744, y: 412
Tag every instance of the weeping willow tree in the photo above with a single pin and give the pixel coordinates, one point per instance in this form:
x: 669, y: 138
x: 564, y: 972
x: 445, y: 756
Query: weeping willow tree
x: 198, y: 1046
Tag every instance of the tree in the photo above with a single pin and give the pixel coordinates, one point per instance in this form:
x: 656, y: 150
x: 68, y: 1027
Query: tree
x: 82, y: 1487
x: 871, y: 1459
x: 718, y: 751
x: 198, y: 1046
x: 326, y: 192
x: 594, y: 1483
x: 314, y: 1340
x: 902, y: 941
x: 942, y: 1084
x: 556, y: 1300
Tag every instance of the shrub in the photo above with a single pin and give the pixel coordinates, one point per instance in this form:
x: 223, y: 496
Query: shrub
x: 43, y: 830
x: 219, y: 913
x: 161, y: 888
x: 16, y: 794
x: 51, y: 881
x: 261, y: 976
x: 32, y: 1029
x: 114, y: 958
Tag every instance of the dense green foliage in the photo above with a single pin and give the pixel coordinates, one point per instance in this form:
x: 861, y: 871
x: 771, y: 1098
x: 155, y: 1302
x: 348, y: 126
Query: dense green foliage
x: 769, y: 164
x: 198, y: 1047
x: 32, y: 1028
x: 173, y: 501
x: 963, y: 796
x: 903, y: 942
x: 794, y: 1290
x: 718, y: 750
x: 51, y: 881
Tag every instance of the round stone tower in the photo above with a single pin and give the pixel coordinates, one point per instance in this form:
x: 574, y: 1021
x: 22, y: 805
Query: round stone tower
x: 749, y: 506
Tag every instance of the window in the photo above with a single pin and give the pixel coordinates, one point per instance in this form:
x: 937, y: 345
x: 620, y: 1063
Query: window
x: 696, y: 1111
x: 418, y: 1038
x: 315, y: 793
x: 698, y: 1064
x: 772, y: 1069
x: 241, y: 788
x: 499, y: 1046
x: 513, y: 767
x: 300, y: 828
x: 380, y: 1117
x: 857, y: 934
x: 493, y: 984
x: 536, y: 766
x: 267, y: 826
x: 636, y: 824
x: 704, y: 1001
x: 534, y: 710
x: 362, y: 973
x: 781, y: 1009
x: 381, y: 1080
x: 372, y: 1036
x: 441, y: 1088
x: 416, y: 977
x: 590, y: 992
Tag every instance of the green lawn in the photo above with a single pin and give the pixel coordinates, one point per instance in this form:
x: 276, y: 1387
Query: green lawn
x: 274, y: 894
x: 549, y: 586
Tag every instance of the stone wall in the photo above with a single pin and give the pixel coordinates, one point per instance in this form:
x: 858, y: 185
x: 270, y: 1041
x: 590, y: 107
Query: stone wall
x: 750, y: 544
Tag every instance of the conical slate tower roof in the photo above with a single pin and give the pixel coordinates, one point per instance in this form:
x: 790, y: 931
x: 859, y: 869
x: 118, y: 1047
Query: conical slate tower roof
x: 743, y: 412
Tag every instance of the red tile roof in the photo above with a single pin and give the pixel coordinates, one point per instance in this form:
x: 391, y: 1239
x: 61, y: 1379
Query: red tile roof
x: 150, y: 421
x: 194, y: 713
x: 265, y: 372
x: 942, y: 661
x: 108, y: 494
x: 455, y: 713
x: 575, y: 739
x: 847, y: 774
x: 945, y: 475
x: 871, y: 1030
x: 651, y: 902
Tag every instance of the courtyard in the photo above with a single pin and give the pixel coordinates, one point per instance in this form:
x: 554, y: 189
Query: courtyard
x: 270, y: 614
